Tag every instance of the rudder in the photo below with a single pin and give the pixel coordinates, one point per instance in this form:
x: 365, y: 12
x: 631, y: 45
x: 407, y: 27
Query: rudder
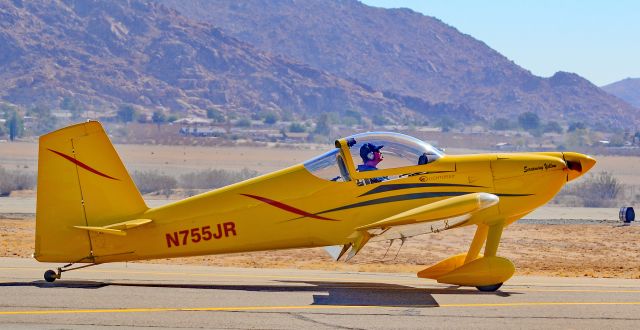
x: 81, y: 182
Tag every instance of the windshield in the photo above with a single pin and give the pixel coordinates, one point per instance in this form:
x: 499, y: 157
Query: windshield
x: 328, y: 166
x: 398, y: 150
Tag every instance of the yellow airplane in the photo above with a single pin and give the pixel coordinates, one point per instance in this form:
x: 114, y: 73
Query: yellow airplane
x: 371, y: 186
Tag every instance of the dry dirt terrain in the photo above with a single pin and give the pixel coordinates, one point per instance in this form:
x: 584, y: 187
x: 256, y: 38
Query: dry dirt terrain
x: 594, y: 250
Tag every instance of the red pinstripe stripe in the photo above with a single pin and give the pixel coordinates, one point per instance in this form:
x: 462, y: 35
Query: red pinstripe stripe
x: 83, y: 165
x: 288, y: 208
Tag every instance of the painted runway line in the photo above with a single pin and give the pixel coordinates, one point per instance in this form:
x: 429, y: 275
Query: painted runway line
x: 266, y: 308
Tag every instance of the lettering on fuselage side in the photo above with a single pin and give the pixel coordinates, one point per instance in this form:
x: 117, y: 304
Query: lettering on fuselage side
x: 437, y: 177
x: 544, y: 166
x: 201, y: 234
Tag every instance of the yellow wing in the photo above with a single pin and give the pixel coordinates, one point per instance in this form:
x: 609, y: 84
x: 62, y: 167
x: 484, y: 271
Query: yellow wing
x: 451, y: 208
x: 434, y: 217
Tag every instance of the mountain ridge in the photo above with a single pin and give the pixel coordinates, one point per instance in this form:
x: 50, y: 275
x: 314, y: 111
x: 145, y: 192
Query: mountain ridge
x: 103, y: 54
x: 107, y: 53
x: 400, y: 51
x: 627, y: 89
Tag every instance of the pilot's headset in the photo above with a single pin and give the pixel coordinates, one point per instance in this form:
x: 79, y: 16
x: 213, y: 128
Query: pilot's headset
x: 368, y: 150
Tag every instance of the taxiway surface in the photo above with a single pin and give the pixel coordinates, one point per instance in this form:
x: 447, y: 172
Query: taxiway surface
x: 172, y: 296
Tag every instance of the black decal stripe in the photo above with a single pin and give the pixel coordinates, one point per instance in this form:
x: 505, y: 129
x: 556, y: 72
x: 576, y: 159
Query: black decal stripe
x: 406, y: 197
x: 397, y: 198
x: 392, y: 187
x: 513, y: 195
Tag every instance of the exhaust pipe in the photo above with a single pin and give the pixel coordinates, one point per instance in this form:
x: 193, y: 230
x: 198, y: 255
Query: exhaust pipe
x: 577, y: 164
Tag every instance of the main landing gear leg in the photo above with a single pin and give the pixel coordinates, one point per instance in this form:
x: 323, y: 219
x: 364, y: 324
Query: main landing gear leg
x: 51, y: 275
x: 490, y: 250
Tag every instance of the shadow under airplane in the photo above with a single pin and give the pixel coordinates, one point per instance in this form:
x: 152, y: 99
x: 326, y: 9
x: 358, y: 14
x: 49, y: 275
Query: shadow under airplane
x: 325, y: 293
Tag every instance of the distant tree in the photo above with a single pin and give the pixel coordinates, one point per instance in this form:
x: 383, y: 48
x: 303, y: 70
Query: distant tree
x: 446, y: 124
x: 141, y: 117
x: 296, y: 128
x: 553, y: 127
x: 501, y: 124
x: 3, y: 130
x: 353, y: 114
x: 73, y: 106
x: 577, y: 138
x: 216, y: 115
x: 15, y: 125
x: 271, y: 118
x: 379, y: 120
x: 158, y: 117
x: 576, y: 126
x: 127, y: 113
x: 243, y: 122
x: 617, y: 140
x: 323, y: 126
x: 44, y: 119
x: 529, y: 121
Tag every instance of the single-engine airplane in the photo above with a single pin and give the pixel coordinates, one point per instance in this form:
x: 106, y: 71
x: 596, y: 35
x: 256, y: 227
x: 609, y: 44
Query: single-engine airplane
x: 89, y: 211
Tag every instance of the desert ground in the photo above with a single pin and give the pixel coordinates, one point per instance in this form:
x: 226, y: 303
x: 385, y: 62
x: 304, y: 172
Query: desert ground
x: 593, y: 250
x: 580, y: 249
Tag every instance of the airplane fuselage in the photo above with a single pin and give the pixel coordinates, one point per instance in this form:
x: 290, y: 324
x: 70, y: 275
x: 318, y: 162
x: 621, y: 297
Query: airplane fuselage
x: 265, y: 213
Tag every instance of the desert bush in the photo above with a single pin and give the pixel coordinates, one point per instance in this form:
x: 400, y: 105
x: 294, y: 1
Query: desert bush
x: 599, y: 190
x: 209, y: 179
x: 15, y: 180
x: 154, y: 182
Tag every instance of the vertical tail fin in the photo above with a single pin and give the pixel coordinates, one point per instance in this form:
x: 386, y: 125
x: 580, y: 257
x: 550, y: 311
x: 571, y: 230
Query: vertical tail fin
x: 81, y: 182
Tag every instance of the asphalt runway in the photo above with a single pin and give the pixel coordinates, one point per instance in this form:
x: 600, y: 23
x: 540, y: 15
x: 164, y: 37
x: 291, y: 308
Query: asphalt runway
x: 171, y: 296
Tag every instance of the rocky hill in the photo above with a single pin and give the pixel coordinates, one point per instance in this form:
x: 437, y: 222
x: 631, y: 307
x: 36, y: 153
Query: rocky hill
x: 106, y: 53
x: 294, y: 58
x: 403, y: 52
x: 626, y: 89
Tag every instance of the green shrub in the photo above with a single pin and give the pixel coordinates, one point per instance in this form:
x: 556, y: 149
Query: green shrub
x: 154, y: 182
x: 15, y: 180
x: 210, y: 179
x: 599, y: 190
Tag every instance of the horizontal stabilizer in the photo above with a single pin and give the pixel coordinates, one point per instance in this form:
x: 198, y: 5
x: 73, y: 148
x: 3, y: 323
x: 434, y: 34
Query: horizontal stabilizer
x: 103, y: 230
x: 444, y: 209
x: 117, y: 228
x: 129, y: 224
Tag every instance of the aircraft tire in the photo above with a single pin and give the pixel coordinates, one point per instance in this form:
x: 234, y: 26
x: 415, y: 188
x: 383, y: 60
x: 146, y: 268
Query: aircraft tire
x: 489, y: 288
x: 50, y: 275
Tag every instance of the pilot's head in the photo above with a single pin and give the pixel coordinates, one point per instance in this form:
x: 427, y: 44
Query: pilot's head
x: 371, y: 154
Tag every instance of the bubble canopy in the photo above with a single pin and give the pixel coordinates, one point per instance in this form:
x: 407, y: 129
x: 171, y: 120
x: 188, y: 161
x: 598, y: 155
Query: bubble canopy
x: 398, y: 150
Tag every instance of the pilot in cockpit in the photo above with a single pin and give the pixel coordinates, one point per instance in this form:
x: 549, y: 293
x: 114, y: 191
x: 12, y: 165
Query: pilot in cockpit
x: 371, y: 157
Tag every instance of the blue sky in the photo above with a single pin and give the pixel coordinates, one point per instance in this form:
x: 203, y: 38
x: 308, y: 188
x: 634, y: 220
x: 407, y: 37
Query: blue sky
x: 599, y: 40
